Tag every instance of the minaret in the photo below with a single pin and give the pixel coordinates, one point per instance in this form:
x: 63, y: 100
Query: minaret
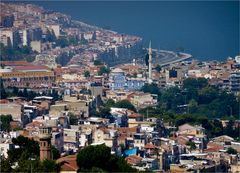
x: 45, y: 143
x: 150, y: 63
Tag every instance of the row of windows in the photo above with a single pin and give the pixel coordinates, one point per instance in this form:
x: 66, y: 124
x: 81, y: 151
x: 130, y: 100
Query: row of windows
x: 45, y: 144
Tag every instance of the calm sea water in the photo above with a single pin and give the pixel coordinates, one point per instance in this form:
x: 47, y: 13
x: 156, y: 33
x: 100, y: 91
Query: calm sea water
x: 207, y: 30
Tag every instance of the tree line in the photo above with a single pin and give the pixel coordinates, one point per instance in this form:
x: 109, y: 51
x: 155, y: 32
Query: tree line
x: 196, y: 102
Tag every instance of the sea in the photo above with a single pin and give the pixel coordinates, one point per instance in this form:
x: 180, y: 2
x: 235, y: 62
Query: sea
x: 208, y: 30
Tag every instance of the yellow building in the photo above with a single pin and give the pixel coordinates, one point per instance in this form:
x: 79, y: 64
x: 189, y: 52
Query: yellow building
x: 22, y: 74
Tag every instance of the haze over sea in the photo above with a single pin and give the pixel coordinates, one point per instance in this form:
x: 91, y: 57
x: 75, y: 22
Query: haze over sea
x: 209, y: 30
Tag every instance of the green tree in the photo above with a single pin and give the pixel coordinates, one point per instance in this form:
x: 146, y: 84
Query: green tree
x: 55, y: 153
x: 5, y: 165
x: 184, y: 118
x: 25, y: 92
x: 207, y: 95
x: 191, y: 87
x: 62, y: 42
x: 14, y: 53
x: 73, y: 41
x: 110, y: 103
x: 97, y: 62
x: 27, y: 157
x: 2, y: 91
x: 27, y: 162
x: 5, y: 122
x: 158, y: 68
x: 125, y: 104
x: 152, y: 111
x: 192, y: 106
x: 231, y: 150
x: 73, y: 119
x: 83, y: 40
x: 103, y: 69
x: 151, y: 88
x: 217, y: 128
x: 104, y: 112
x: 195, y: 83
x: 99, y: 158
x: 27, y: 147
x: 171, y: 98
x: 230, y: 131
x: 94, y: 156
x: 192, y: 145
x: 29, y: 58
x: 85, y: 91
x: 93, y: 169
x: 86, y: 74
x: 15, y: 91
x: 48, y: 166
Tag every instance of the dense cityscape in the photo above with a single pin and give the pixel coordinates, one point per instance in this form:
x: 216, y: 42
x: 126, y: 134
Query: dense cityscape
x: 81, y: 98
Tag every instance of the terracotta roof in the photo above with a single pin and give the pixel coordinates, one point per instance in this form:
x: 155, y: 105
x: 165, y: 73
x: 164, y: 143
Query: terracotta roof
x: 136, y: 94
x: 105, y: 130
x: 149, y: 146
x: 133, y: 159
x: 4, y: 101
x: 223, y: 138
x: 185, y: 127
x: 134, y: 115
x: 182, y: 140
x: 24, y: 133
x: 15, y: 63
x: 213, y: 147
x: 127, y: 129
x: 34, y: 124
x: 121, y: 112
x: 166, y: 147
x: 32, y: 67
x: 117, y: 70
x: 68, y: 163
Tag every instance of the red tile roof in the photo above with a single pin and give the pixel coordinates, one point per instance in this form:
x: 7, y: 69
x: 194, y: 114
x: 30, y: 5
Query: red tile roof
x: 213, y: 147
x: 134, y: 115
x: 127, y: 130
x: 133, y: 159
x: 4, y: 101
x: 34, y: 124
x: 15, y: 63
x: 149, y: 146
x: 68, y: 163
x: 32, y: 67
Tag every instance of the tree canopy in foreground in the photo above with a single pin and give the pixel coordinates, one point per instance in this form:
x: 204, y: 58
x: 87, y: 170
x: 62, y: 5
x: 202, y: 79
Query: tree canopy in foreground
x: 99, y: 158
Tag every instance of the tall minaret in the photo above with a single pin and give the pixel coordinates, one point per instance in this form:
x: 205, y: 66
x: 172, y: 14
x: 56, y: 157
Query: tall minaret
x: 150, y: 63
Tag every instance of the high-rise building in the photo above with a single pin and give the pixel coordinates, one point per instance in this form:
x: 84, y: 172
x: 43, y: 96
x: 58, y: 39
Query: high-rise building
x: 6, y: 20
x: 55, y: 29
x: 235, y: 82
x: 9, y: 37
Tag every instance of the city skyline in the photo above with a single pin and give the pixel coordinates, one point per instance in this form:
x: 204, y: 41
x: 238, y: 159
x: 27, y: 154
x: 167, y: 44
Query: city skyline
x: 79, y: 97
